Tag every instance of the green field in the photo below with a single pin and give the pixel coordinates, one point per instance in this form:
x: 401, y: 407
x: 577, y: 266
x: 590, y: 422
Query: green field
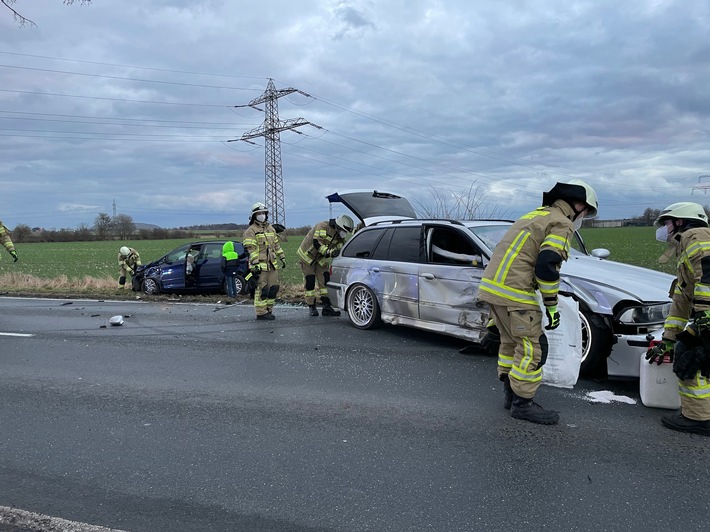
x: 77, y: 260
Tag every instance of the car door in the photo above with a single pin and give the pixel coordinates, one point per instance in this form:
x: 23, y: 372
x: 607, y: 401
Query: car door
x: 450, y: 277
x: 208, y: 267
x: 396, y: 261
x: 172, y: 269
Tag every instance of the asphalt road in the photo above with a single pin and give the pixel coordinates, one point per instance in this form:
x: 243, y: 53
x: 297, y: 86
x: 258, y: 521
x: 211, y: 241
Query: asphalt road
x: 197, y: 417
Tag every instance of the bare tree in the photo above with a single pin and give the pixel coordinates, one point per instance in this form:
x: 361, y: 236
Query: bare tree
x: 21, y: 233
x: 22, y: 20
x: 447, y: 204
x: 123, y: 226
x: 103, y: 226
x: 83, y: 233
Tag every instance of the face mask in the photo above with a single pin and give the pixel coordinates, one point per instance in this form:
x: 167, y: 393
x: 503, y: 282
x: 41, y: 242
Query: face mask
x: 578, y: 223
x: 343, y: 234
x: 260, y: 217
x: 662, y: 234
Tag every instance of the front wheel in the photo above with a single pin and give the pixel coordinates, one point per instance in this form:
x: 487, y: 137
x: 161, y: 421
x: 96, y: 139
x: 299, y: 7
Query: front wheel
x: 150, y: 286
x: 596, y: 345
x: 362, y: 307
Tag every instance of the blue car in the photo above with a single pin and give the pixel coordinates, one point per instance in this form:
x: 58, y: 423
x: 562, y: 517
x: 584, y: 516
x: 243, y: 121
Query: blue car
x: 192, y: 268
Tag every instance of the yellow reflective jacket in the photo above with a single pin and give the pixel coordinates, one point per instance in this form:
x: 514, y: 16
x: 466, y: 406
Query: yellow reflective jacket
x: 691, y: 289
x: 509, y: 280
x: 5, y: 238
x: 262, y: 243
x: 130, y: 262
x: 319, y: 244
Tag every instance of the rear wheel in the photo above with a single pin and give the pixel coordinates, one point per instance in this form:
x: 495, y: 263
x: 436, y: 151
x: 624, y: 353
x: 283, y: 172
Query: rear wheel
x: 241, y: 284
x: 362, y: 307
x: 150, y: 286
x: 596, y: 345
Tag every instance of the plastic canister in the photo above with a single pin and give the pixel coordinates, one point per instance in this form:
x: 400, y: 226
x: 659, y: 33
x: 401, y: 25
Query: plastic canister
x: 658, y: 384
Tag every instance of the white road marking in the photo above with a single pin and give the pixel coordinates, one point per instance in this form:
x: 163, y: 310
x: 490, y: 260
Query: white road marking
x: 23, y: 335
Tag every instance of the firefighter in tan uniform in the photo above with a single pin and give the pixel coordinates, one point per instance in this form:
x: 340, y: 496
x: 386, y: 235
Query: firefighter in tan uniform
x: 262, y: 244
x: 527, y: 259
x: 322, y: 242
x: 688, y: 346
x: 128, y: 261
x: 6, y: 241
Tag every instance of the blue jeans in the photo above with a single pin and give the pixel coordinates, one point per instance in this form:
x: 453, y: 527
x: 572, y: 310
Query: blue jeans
x: 231, y: 285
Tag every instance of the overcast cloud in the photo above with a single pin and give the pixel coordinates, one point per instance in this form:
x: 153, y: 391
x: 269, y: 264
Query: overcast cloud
x: 133, y: 102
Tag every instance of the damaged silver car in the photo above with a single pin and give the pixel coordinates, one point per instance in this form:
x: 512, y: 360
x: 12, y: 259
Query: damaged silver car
x: 401, y: 270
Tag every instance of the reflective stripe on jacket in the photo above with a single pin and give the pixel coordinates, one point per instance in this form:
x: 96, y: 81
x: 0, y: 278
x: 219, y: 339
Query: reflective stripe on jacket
x: 509, y: 280
x: 262, y: 244
x: 328, y: 240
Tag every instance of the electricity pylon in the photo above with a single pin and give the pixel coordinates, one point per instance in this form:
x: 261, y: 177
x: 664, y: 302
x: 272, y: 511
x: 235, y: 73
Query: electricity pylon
x: 704, y: 188
x: 271, y: 130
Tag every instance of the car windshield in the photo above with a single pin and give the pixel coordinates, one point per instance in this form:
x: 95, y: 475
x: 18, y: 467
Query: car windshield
x: 493, y: 233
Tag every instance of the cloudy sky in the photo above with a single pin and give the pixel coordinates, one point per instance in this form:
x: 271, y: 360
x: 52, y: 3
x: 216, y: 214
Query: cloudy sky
x: 136, y: 102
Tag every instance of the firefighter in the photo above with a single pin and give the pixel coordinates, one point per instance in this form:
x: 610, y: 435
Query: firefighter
x: 322, y: 242
x: 262, y: 244
x: 687, y: 346
x: 6, y: 240
x: 527, y: 259
x: 128, y: 261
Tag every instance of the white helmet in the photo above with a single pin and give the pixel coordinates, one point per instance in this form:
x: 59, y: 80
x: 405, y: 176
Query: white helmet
x: 345, y: 223
x: 124, y: 251
x: 684, y: 210
x: 258, y: 207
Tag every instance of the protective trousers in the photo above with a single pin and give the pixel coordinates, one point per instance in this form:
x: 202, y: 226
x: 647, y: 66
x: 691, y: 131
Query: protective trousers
x: 521, y: 352
x: 315, y: 274
x: 695, y: 398
x: 266, y: 289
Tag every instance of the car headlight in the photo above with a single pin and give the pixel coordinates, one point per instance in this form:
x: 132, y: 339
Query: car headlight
x: 645, y: 315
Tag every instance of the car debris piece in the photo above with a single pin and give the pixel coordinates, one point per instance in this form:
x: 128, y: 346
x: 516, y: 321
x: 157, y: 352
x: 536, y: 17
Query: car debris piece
x: 116, y: 320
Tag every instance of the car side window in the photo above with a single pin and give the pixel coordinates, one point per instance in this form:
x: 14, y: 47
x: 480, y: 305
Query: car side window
x: 177, y: 255
x: 363, y: 244
x: 212, y: 251
x: 406, y: 245
x: 448, y: 246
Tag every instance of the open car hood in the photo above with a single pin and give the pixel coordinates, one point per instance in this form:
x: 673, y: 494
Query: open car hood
x: 374, y: 206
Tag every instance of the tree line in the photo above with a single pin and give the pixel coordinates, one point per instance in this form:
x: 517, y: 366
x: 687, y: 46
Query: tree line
x: 122, y: 227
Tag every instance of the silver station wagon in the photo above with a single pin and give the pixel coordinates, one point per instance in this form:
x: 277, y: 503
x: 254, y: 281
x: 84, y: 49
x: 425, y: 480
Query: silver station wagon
x: 401, y: 270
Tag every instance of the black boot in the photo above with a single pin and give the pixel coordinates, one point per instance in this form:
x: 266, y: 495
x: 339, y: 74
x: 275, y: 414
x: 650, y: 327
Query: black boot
x: 328, y: 309
x: 529, y: 410
x: 508, y: 391
x: 314, y: 310
x: 677, y: 421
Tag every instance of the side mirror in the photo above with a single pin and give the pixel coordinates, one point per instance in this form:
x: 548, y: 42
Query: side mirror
x: 600, y: 253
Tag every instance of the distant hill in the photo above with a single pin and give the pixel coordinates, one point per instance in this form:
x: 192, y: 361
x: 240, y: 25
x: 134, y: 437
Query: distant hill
x: 140, y: 226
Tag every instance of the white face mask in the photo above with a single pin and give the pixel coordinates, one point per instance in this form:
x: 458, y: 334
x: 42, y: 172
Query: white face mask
x: 260, y: 217
x: 343, y: 234
x: 662, y: 234
x: 578, y: 222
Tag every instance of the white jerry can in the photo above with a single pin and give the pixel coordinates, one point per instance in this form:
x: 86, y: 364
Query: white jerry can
x: 658, y: 384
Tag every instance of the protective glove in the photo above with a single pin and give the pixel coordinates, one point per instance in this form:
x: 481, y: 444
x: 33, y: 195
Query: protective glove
x: 13, y: 254
x: 283, y: 263
x: 688, y: 361
x: 701, y: 321
x: 335, y: 253
x: 491, y: 342
x: 553, y: 317
x: 256, y: 270
x: 656, y: 353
